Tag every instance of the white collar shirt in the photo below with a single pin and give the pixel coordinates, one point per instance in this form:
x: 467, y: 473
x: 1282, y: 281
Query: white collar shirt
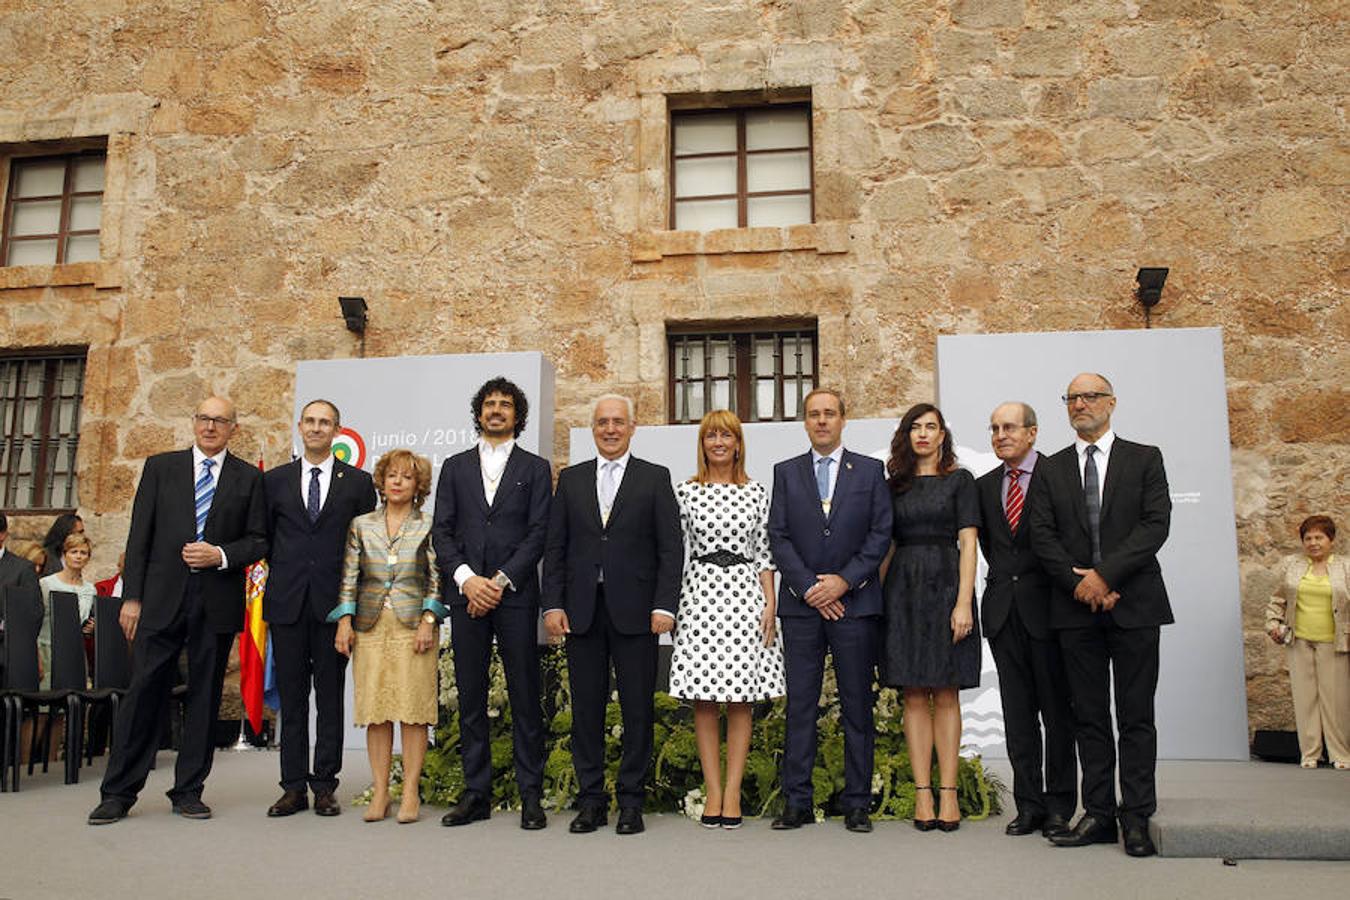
x: 325, y: 480
x: 1103, y: 454
x: 838, y: 456
x: 492, y: 463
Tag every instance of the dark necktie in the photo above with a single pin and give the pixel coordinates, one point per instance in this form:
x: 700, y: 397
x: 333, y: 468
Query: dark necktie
x: 312, y: 506
x: 1013, y: 507
x: 1093, y: 498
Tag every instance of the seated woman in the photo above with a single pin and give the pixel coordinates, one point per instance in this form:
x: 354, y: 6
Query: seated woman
x: 1316, y: 627
x: 391, y: 588
x: 54, y: 543
x: 75, y: 553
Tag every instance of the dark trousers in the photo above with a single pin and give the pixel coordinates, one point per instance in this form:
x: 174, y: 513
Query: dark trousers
x: 516, y: 630
x: 1094, y: 658
x: 853, y: 643
x: 1035, y: 692
x: 304, y: 656
x: 154, y: 657
x: 588, y: 660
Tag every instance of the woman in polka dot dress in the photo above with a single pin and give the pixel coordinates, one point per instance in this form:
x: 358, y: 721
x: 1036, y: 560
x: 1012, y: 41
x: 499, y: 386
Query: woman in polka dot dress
x: 727, y: 647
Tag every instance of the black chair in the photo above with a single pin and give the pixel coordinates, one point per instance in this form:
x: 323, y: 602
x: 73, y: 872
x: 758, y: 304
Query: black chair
x: 23, y: 619
x: 68, y: 677
x: 112, y: 677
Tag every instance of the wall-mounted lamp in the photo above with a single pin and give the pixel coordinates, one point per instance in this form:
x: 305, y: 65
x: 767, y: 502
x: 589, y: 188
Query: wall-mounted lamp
x: 1151, y: 281
x: 354, y: 312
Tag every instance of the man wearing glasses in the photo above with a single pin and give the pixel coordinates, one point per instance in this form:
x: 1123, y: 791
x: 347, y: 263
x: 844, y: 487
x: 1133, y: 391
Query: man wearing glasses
x: 1097, y: 527
x: 197, y: 521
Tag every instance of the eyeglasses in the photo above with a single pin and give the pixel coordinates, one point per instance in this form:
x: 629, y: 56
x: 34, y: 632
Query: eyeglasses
x: 218, y: 421
x: 1006, y: 429
x: 1086, y: 397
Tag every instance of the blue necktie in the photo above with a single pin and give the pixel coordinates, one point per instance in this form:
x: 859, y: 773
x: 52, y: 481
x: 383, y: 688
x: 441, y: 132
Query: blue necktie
x: 1092, y: 496
x: 312, y: 506
x: 823, y: 477
x: 205, y: 490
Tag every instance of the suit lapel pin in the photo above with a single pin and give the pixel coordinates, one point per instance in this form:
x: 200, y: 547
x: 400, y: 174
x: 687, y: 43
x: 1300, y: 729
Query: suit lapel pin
x: 848, y: 465
x: 340, y: 474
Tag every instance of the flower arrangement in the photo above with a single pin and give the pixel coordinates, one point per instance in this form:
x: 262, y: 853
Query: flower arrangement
x: 677, y: 779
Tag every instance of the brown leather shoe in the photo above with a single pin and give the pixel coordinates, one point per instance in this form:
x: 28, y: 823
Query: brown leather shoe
x: 290, y: 803
x: 326, y: 804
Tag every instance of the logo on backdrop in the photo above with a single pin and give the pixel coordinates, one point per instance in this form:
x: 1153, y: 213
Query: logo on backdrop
x: 350, y: 447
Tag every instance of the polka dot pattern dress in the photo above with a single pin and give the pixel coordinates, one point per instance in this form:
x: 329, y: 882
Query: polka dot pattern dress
x: 719, y: 652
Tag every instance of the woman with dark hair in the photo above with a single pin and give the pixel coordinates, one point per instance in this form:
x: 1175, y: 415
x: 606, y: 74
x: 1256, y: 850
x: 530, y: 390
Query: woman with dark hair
x: 931, y: 643
x: 727, y: 649
x: 1310, y: 612
x: 55, y: 541
x: 389, y: 608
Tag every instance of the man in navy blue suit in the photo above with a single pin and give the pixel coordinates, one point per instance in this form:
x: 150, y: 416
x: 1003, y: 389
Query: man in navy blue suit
x: 492, y: 507
x: 829, y: 529
x: 311, y: 502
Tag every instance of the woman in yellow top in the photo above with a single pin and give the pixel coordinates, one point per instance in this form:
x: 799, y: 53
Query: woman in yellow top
x: 1316, y: 626
x: 391, y: 587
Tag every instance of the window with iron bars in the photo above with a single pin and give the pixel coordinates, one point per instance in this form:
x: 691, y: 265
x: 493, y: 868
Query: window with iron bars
x: 759, y: 372
x: 40, y: 396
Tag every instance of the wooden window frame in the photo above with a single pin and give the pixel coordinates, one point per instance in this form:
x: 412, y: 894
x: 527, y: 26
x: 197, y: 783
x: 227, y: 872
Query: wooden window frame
x: 63, y: 232
x: 742, y: 377
x: 46, y: 443
x: 743, y: 195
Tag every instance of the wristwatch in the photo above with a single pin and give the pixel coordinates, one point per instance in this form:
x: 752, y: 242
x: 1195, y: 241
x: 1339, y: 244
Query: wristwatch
x: 429, y: 617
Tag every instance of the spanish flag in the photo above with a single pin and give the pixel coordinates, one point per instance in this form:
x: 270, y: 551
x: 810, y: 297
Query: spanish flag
x: 253, y: 643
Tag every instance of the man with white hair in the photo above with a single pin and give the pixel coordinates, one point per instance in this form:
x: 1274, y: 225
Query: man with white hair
x: 612, y: 566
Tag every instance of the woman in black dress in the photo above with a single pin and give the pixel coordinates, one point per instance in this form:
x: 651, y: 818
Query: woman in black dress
x: 932, y: 643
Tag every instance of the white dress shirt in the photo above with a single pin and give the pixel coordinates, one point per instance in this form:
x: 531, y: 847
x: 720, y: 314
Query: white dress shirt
x: 622, y: 463
x: 838, y: 456
x: 219, y: 460
x: 1103, y: 454
x: 325, y: 479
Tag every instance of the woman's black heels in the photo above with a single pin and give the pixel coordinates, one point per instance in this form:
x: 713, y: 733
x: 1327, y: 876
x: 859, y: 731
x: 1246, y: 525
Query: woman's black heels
x: 943, y: 824
x: 923, y: 824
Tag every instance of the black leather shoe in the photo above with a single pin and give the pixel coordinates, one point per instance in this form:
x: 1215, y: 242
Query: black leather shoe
x: 109, y: 811
x: 794, y: 817
x: 858, y: 821
x: 1089, y: 830
x: 326, y: 804
x: 532, y: 816
x: 1137, y: 841
x: 1025, y: 823
x: 630, y: 821
x: 708, y: 821
x: 472, y: 807
x: 1054, y: 824
x: 731, y: 823
x: 290, y: 803
x: 923, y: 824
x: 191, y: 808
x: 589, y: 819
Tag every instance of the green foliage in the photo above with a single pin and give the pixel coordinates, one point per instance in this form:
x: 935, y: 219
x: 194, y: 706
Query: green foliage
x: 677, y: 779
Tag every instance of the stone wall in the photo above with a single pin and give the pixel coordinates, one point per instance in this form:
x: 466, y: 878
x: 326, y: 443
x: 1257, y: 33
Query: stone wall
x: 492, y: 176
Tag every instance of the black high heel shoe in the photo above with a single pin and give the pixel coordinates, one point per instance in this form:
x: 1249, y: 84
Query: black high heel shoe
x: 943, y: 824
x: 708, y: 821
x: 923, y: 824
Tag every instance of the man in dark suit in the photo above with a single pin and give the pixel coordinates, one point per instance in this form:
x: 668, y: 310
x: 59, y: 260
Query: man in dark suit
x: 199, y: 518
x: 829, y: 529
x: 16, y: 572
x: 612, y: 568
x: 1097, y: 527
x: 1016, y: 616
x: 492, y: 504
x: 311, y: 501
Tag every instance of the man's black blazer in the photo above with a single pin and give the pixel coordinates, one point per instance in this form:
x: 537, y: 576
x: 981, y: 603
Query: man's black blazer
x: 305, y: 558
x: 508, y: 535
x: 641, y: 550
x: 1135, y: 519
x: 15, y: 571
x: 163, y: 519
x: 1016, y: 577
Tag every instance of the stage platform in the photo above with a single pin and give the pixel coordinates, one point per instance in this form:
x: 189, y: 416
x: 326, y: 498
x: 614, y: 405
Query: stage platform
x: 1246, y: 812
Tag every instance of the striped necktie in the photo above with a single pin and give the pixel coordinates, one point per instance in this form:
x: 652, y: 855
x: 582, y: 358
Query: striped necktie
x: 1013, y: 507
x: 205, y: 490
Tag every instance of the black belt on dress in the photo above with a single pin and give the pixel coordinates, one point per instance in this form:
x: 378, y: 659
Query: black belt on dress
x: 939, y: 540
x: 724, y: 558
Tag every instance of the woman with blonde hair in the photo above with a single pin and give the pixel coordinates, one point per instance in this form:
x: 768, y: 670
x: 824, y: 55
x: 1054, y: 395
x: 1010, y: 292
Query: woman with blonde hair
x: 727, y: 646
x: 388, y: 613
x: 69, y: 576
x: 1310, y: 612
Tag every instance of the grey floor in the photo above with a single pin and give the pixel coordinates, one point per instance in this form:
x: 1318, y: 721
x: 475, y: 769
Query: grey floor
x: 49, y: 851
